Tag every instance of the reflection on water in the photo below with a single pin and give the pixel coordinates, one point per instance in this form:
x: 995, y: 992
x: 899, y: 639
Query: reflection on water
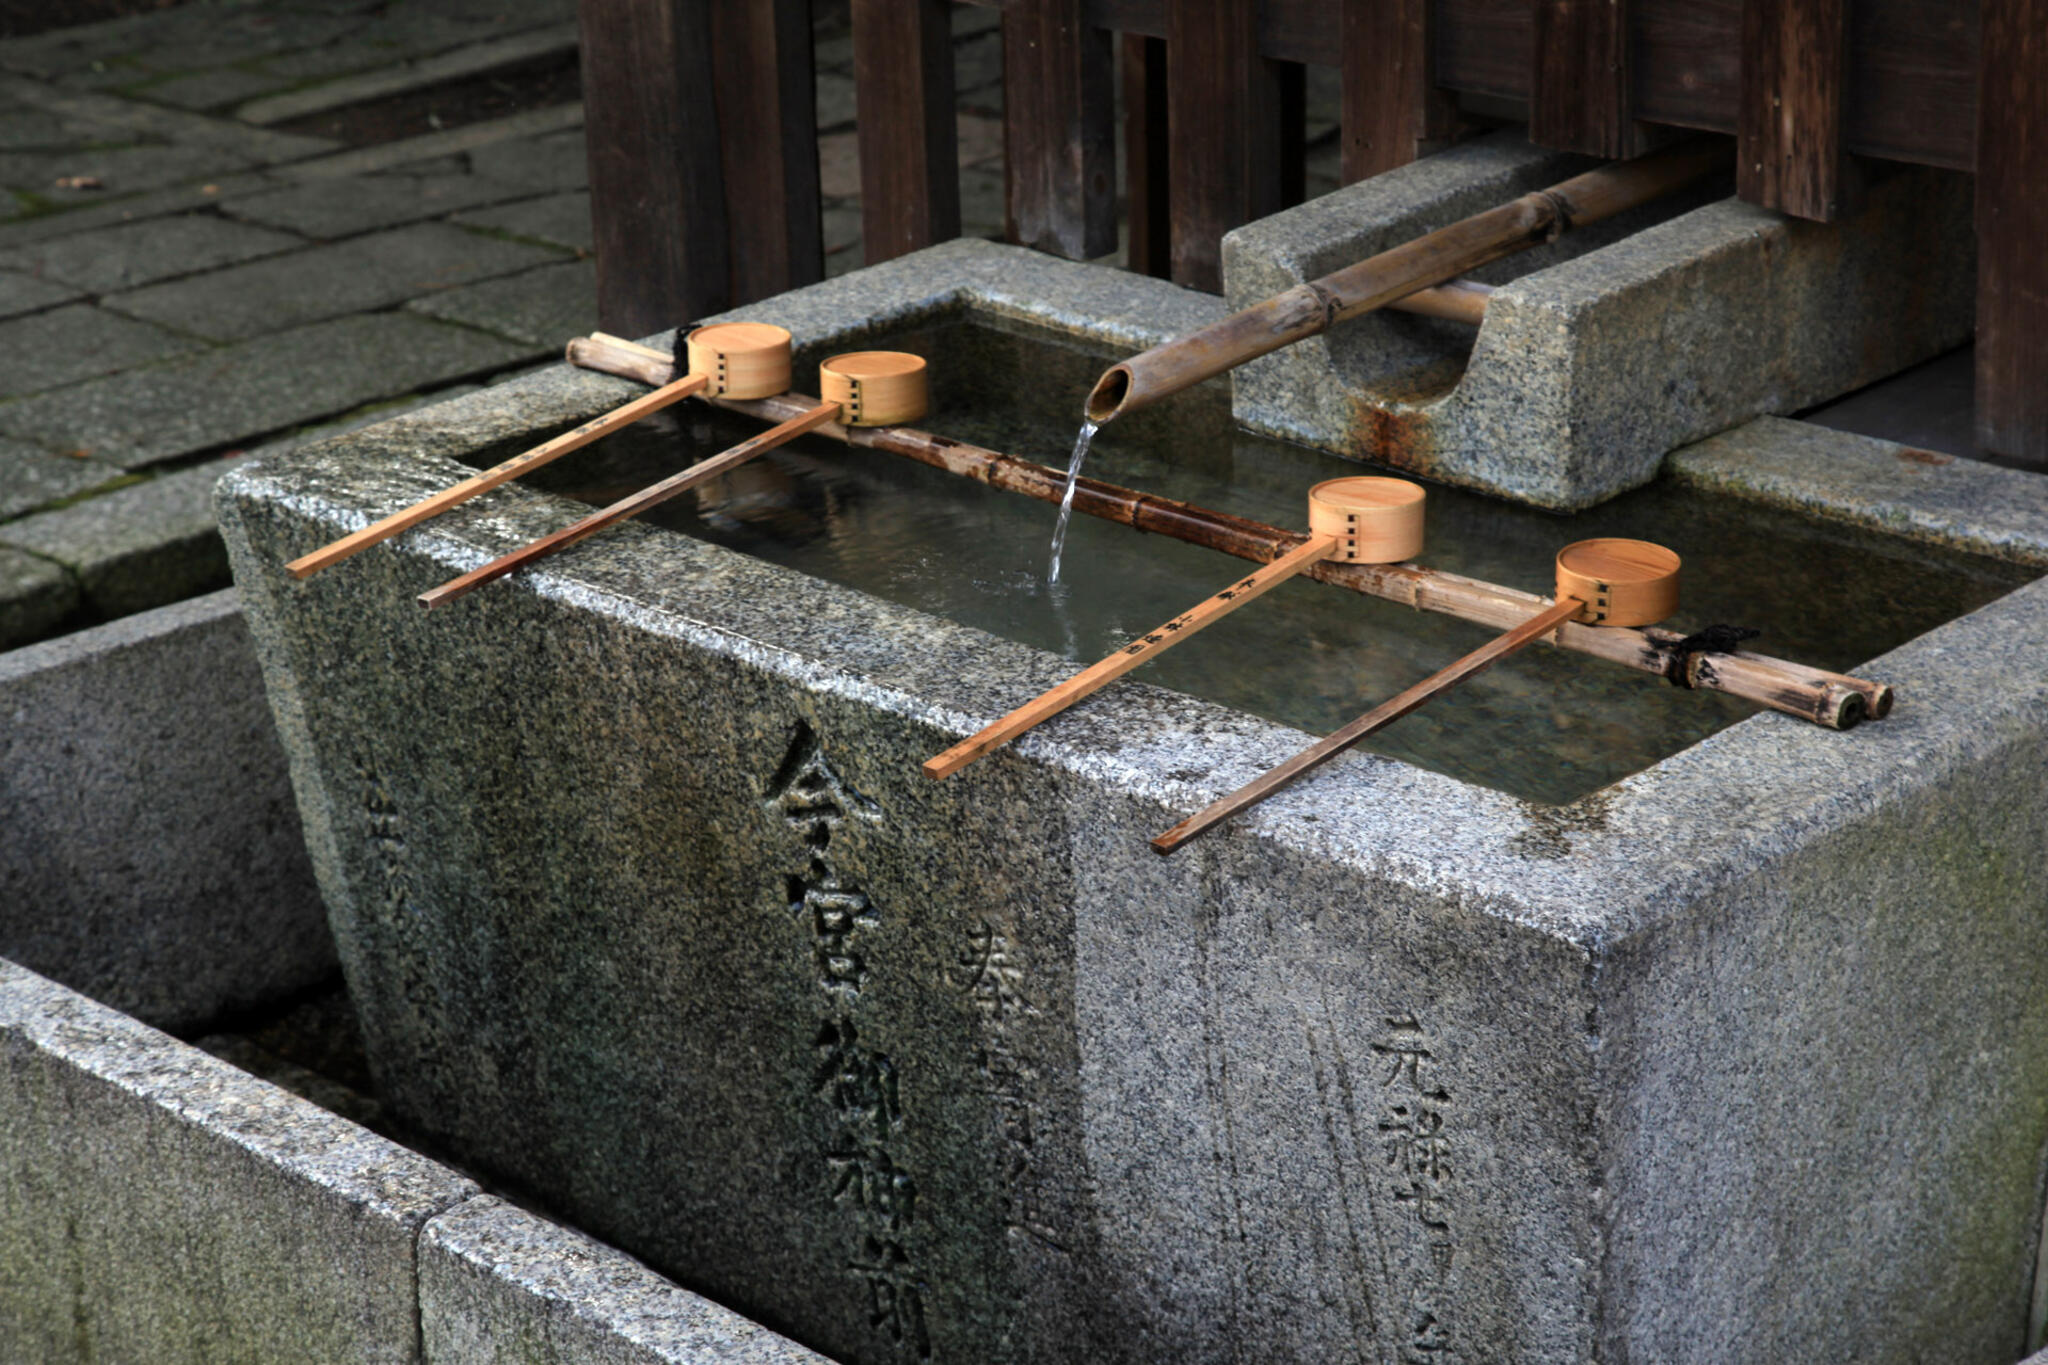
x: 1545, y: 725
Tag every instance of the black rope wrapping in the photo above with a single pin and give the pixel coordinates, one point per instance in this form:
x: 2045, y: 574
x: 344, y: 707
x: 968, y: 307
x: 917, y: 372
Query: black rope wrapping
x: 679, y: 362
x: 1712, y: 640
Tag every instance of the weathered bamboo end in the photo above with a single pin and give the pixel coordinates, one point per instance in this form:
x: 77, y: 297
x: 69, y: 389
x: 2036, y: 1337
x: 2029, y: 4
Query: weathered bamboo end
x: 1377, y: 281
x: 1829, y: 699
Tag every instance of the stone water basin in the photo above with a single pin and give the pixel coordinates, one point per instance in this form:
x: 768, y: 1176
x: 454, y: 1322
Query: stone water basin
x: 644, y: 904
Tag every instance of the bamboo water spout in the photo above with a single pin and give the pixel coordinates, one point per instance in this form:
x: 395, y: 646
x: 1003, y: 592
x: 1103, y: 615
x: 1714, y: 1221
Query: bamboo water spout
x: 1378, y: 281
x: 1834, y: 700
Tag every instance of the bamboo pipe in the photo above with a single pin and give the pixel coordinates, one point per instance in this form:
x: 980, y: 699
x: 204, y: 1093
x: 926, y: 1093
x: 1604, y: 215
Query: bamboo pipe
x: 1834, y: 700
x: 1358, y: 520
x: 1377, y: 281
x: 1608, y: 580
x: 1458, y: 300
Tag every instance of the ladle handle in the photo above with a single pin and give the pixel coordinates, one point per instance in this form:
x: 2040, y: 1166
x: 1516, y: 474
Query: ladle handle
x: 632, y: 505
x: 381, y: 531
x: 1381, y: 716
x: 1147, y: 646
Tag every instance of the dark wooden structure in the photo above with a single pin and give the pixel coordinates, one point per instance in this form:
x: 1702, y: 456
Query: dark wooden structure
x: 687, y: 149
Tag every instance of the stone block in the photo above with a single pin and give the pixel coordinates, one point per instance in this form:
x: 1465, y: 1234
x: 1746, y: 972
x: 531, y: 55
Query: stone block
x: 65, y: 345
x: 343, y: 208
x: 645, y: 903
x: 355, y: 276
x: 545, y: 307
x: 138, y: 547
x: 1593, y: 364
x: 36, y: 597
x: 157, y: 1204
x: 213, y: 89
x: 136, y: 254
x: 120, y: 170
x: 499, y: 1286
x: 149, y: 415
x: 563, y: 219
x: 31, y: 477
x: 154, y: 859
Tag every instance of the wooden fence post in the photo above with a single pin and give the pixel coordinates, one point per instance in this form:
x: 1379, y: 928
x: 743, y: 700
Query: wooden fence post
x: 1579, y: 88
x: 768, y: 133
x: 657, y: 193
x: 1147, y: 175
x: 1795, y: 60
x: 903, y: 98
x: 1224, y: 115
x: 1059, y: 129
x: 1393, y: 111
x: 2012, y: 225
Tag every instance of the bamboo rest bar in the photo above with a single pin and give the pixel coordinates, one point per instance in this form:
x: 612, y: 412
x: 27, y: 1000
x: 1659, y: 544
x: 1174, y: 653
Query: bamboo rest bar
x: 1834, y: 700
x: 1363, y: 519
x: 1378, y: 281
x: 892, y: 383
x: 1622, y: 582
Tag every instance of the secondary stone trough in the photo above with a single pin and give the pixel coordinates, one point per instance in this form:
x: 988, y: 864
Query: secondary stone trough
x: 646, y: 906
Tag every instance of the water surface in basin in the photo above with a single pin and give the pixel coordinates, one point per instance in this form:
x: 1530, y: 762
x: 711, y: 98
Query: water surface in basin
x: 1546, y: 725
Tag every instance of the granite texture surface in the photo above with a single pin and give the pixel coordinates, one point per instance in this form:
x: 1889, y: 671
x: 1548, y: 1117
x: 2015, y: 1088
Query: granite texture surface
x: 1688, y: 318
x: 153, y: 858
x: 500, y: 1285
x: 158, y: 1205
x: 646, y: 904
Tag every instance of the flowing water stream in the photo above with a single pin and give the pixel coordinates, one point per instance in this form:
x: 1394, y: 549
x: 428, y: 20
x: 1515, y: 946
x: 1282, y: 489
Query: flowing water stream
x: 1059, y: 530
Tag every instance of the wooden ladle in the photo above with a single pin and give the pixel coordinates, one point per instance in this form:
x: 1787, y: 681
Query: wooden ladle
x: 1364, y: 520
x: 867, y: 388
x: 1606, y: 582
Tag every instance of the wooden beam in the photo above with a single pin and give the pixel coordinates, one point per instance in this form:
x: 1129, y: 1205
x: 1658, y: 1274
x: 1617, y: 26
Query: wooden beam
x: 1579, y: 91
x: 903, y: 98
x: 1224, y: 104
x: 1393, y: 111
x: 2012, y: 225
x: 1790, y: 155
x: 766, y: 87
x: 1147, y: 172
x: 1059, y: 129
x: 657, y: 193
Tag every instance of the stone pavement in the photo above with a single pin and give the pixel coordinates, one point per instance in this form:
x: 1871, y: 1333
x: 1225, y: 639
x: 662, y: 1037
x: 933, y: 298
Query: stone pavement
x: 187, y: 275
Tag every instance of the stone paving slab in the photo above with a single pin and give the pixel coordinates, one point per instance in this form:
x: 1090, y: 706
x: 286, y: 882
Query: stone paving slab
x: 563, y: 219
x: 120, y: 170
x: 26, y: 294
x: 140, y: 547
x: 46, y: 350
x: 142, y: 417
x: 205, y: 91
x: 499, y: 1286
x: 135, y: 254
x: 36, y: 596
x: 31, y: 477
x: 545, y: 306
x: 420, y: 74
x: 143, y: 120
x: 134, y: 208
x: 553, y: 162
x: 355, y: 276
x: 158, y: 1205
x: 343, y: 208
x: 154, y: 859
x: 468, y: 138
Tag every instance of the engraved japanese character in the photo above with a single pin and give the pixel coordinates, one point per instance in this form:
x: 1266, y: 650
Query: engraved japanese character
x: 836, y: 912
x: 1429, y: 1341
x: 895, y: 1296
x: 1415, y: 1142
x: 1408, y: 1047
x: 989, y: 975
x: 869, y: 1178
x: 1432, y: 1209
x: 860, y: 1083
